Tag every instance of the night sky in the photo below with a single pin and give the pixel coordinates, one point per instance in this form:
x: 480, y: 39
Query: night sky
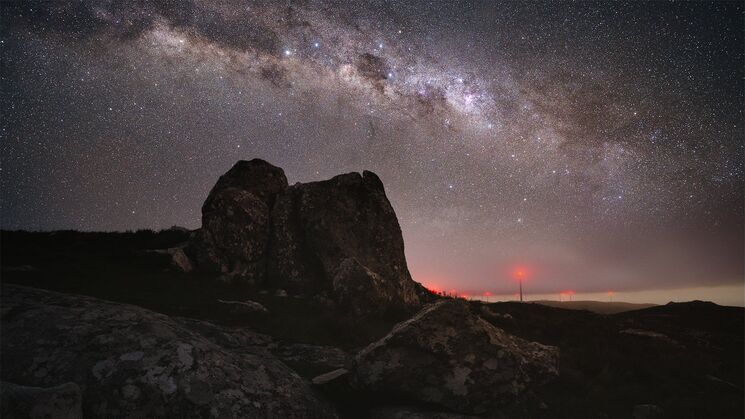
x: 597, y: 145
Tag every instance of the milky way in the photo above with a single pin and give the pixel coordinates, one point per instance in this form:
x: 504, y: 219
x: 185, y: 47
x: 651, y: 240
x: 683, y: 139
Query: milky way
x: 599, y: 144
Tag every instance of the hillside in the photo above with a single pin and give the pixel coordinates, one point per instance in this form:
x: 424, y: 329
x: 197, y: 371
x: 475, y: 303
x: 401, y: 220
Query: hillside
x: 600, y: 307
x: 609, y: 363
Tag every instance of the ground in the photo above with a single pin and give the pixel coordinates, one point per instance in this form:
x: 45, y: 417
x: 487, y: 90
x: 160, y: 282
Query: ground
x: 686, y: 358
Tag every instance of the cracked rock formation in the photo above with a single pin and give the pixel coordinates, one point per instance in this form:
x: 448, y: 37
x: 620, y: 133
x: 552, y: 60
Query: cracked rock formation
x: 447, y: 356
x: 339, y: 236
x: 131, y: 362
x: 235, y: 221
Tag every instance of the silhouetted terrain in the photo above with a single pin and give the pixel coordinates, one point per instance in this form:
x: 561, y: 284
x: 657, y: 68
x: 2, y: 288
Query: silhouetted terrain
x: 122, y: 267
x: 601, y: 307
x: 685, y: 358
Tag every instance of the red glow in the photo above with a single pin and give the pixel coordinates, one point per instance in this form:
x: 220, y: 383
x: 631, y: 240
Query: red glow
x: 520, y: 272
x: 487, y: 294
x: 567, y: 293
x: 434, y: 283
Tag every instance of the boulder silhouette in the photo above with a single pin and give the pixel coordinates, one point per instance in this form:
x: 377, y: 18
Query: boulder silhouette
x: 235, y: 221
x: 339, y: 237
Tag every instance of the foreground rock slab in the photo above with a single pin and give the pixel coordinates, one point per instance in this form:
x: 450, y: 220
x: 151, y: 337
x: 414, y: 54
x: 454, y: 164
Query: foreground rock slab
x: 449, y: 357
x: 59, y: 402
x: 132, y: 362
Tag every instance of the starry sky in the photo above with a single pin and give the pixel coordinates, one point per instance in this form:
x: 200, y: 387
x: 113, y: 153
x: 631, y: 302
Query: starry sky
x: 597, y: 146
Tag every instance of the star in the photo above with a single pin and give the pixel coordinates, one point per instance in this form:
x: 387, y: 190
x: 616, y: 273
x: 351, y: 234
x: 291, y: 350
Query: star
x: 500, y: 105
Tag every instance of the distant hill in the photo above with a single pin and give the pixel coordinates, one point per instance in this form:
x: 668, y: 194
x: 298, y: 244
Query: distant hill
x: 600, y: 307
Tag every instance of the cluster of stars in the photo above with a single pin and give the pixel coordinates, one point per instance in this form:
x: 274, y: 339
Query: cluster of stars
x: 495, y: 127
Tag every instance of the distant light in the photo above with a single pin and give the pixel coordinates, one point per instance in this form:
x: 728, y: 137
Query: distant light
x: 316, y: 44
x: 288, y: 52
x: 520, y: 272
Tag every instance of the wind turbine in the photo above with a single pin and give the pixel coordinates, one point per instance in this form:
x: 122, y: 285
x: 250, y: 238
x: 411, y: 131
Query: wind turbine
x: 520, y: 274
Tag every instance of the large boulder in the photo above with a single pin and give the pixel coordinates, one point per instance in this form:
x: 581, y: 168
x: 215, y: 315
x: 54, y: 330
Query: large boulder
x: 341, y: 235
x: 132, y: 362
x: 235, y: 221
x: 338, y: 237
x: 446, y: 356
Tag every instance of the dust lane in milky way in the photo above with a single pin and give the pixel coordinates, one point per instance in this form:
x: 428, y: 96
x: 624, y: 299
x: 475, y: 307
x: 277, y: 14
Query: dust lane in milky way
x: 598, y: 143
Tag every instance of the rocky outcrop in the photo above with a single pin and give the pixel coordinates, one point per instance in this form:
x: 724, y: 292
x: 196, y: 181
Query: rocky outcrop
x: 340, y: 237
x: 330, y: 231
x: 449, y: 357
x: 59, y: 402
x: 131, y: 362
x: 235, y: 221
